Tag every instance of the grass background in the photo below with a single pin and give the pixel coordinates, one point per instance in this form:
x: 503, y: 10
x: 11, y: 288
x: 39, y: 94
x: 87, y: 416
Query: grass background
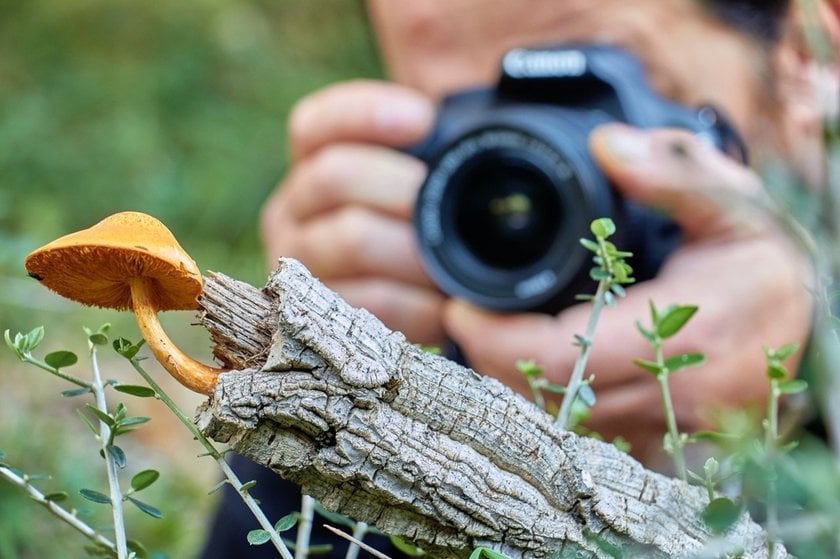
x: 176, y: 109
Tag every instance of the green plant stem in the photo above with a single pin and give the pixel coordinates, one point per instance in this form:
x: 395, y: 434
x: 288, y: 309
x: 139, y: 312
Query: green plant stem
x: 304, y: 532
x: 671, y: 421
x: 111, y: 465
x: 231, y: 476
x: 255, y: 509
x: 771, y: 437
x: 161, y: 395
x: 56, y: 510
x: 576, y: 379
x: 539, y: 400
x: 27, y: 358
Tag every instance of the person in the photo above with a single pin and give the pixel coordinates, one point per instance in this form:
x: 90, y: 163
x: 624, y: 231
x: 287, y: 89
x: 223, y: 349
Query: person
x: 345, y: 207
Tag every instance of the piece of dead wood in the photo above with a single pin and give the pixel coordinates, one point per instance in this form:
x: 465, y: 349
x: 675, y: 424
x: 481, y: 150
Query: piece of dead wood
x: 386, y: 433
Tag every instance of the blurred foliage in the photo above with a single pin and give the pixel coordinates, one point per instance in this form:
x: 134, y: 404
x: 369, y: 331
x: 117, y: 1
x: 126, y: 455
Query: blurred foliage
x: 177, y: 109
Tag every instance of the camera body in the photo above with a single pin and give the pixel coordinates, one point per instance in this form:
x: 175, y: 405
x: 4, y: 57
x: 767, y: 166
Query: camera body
x: 512, y: 187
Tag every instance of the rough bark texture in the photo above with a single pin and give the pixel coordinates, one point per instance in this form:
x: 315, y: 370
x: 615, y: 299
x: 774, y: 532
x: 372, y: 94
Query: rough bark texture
x: 379, y: 430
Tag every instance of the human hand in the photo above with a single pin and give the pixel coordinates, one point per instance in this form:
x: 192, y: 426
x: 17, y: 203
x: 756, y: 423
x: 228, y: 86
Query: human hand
x: 344, y: 209
x: 734, y: 263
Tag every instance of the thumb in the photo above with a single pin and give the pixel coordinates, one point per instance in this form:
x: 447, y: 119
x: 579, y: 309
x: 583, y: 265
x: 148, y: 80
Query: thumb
x: 673, y: 170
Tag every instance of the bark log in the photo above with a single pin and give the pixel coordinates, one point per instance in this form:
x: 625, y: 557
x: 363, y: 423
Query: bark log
x: 386, y: 433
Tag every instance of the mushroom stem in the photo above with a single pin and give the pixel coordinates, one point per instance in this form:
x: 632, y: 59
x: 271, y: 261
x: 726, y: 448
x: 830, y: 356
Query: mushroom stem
x: 193, y: 374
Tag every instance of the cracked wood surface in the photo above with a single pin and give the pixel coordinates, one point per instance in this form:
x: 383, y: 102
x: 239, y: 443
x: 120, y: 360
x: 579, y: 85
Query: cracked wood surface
x: 384, y: 432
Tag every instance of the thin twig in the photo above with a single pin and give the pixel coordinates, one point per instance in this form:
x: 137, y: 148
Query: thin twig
x: 361, y: 544
x: 576, y: 379
x: 231, y: 476
x: 111, y: 464
x: 254, y: 508
x: 57, y: 510
x: 304, y: 531
x: 359, y: 531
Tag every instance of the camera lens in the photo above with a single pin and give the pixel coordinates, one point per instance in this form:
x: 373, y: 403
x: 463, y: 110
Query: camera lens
x: 507, y: 211
x: 500, y: 215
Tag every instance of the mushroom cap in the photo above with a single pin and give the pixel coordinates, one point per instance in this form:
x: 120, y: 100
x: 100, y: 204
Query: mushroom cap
x: 95, y: 266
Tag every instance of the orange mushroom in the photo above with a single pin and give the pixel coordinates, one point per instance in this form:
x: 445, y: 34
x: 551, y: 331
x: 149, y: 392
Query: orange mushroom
x: 131, y: 261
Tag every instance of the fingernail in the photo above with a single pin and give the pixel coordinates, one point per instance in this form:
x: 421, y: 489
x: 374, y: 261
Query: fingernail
x: 405, y: 116
x: 625, y: 143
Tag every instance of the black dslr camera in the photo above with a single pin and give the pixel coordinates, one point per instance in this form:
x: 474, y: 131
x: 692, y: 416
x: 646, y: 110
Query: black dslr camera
x: 512, y: 186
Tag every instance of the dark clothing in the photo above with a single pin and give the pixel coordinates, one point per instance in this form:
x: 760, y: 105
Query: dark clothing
x: 277, y: 498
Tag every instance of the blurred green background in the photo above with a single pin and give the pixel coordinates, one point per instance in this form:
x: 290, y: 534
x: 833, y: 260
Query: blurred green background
x: 177, y: 109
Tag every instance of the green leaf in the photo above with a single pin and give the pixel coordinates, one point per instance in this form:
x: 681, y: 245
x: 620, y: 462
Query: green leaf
x: 127, y: 349
x: 88, y: 422
x: 711, y: 467
x: 646, y: 334
x: 287, y: 522
x: 218, y: 486
x: 76, y: 392
x: 406, y: 548
x: 121, y: 412
x: 247, y: 486
x: 33, y: 339
x: 137, y: 547
x: 480, y: 552
x: 590, y: 245
x: 131, y: 421
x: 783, y: 352
x: 654, y: 313
x: 678, y: 362
x: 602, y: 228
x: 117, y: 455
x: 144, y: 479
x: 59, y: 359
x: 334, y: 517
x: 586, y: 395
x: 553, y: 388
x: 321, y: 549
x: 599, y: 274
x: 721, y: 514
x: 95, y: 496
x: 776, y: 371
x: 793, y: 386
x: 618, y: 290
x: 712, y: 436
x: 529, y: 368
x: 101, y: 415
x: 98, y: 339
x: 674, y: 318
x: 56, y: 497
x: 148, y: 509
x: 258, y: 537
x: 649, y: 366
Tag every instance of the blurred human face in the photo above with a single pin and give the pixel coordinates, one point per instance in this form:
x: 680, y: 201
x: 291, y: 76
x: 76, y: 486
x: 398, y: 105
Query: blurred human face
x: 440, y: 46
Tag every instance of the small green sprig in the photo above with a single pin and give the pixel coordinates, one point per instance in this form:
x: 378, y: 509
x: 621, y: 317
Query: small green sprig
x: 781, y: 383
x: 106, y: 426
x: 666, y: 324
x: 267, y: 532
x: 612, y: 272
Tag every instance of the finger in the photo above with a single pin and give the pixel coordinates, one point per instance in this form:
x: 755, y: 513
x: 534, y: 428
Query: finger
x: 673, y: 170
x: 356, y: 242
x: 412, y: 310
x: 494, y: 342
x: 354, y: 174
x: 359, y: 111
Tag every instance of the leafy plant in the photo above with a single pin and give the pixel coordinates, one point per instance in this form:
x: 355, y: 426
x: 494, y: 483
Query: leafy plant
x: 612, y: 272
x: 665, y: 324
